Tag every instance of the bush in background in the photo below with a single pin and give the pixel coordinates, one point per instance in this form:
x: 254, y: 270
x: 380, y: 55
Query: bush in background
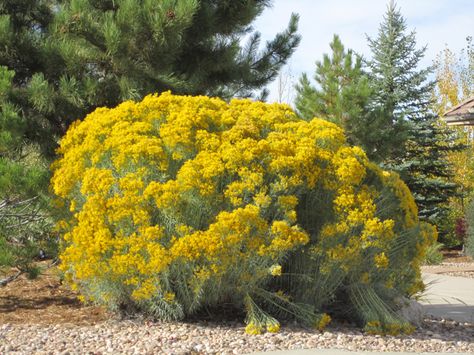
x: 175, y: 204
x: 469, y: 244
x: 433, y: 254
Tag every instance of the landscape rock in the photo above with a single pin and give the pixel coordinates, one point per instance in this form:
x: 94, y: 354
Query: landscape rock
x: 119, y: 337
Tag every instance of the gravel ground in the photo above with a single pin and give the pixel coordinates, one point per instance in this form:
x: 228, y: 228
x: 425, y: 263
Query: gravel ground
x: 469, y: 274
x: 452, y: 269
x: 229, y: 338
x: 449, y: 265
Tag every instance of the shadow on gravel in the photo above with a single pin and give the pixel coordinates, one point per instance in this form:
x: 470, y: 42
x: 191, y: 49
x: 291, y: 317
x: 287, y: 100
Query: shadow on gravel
x: 14, y: 303
x: 458, y: 312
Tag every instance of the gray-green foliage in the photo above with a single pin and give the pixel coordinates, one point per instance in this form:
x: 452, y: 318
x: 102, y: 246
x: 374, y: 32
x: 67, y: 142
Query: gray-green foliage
x: 402, y: 93
x: 433, y: 254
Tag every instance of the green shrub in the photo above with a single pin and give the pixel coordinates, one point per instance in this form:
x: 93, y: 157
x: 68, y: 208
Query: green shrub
x: 178, y: 203
x: 433, y: 254
x: 448, y: 228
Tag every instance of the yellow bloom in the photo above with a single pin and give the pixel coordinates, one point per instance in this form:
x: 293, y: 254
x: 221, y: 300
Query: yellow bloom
x: 273, y: 327
x: 169, y: 297
x: 323, y: 322
x: 275, y: 270
x: 216, y: 192
x: 381, y: 260
x: 365, y: 278
x: 253, y: 329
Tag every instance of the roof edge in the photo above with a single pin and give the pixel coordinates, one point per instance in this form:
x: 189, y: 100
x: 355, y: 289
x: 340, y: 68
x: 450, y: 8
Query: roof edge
x: 459, y: 105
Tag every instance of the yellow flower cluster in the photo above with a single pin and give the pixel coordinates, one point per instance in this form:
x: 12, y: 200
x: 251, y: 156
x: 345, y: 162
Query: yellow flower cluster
x: 178, y: 180
x: 201, y: 191
x: 375, y: 327
x: 323, y: 321
x: 275, y: 270
x: 253, y: 329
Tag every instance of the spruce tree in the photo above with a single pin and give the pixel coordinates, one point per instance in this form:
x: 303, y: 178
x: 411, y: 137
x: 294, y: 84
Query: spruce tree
x: 402, y: 92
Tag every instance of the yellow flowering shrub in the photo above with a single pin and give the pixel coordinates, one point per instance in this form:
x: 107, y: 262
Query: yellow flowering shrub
x: 175, y: 203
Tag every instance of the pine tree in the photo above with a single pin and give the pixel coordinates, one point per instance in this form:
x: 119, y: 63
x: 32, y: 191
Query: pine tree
x: 24, y: 228
x: 338, y: 75
x: 73, y: 56
x: 136, y: 47
x: 343, y: 96
x: 402, y: 92
x: 23, y: 176
x: 23, y: 50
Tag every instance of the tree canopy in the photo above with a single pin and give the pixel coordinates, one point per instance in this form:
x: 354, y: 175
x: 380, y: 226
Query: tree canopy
x: 73, y: 56
x: 403, y: 92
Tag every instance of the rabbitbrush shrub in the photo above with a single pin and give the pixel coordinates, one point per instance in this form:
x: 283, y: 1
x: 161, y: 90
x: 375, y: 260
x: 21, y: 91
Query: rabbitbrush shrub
x: 175, y: 204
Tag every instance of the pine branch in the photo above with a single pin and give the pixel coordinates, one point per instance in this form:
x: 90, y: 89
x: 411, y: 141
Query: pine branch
x: 6, y: 281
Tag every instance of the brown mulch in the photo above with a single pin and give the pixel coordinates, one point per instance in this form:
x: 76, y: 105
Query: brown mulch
x: 45, y: 300
x: 455, y: 256
x: 455, y: 263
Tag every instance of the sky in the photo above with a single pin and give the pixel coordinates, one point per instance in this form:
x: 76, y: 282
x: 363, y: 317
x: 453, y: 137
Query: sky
x: 438, y: 23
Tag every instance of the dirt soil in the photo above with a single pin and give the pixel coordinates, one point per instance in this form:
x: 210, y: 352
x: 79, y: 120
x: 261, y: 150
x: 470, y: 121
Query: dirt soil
x: 45, y: 301
x: 455, y: 256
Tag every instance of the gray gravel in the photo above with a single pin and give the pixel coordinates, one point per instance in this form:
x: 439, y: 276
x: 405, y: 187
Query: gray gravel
x: 449, y: 265
x: 451, y: 269
x: 206, y: 338
x: 469, y: 274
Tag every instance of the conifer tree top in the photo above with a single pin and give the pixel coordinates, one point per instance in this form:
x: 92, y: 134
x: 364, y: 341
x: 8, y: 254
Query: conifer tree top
x: 72, y: 56
x: 398, y: 82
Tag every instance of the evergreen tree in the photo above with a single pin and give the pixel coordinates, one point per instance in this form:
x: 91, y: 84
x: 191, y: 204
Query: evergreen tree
x: 342, y: 88
x: 136, y: 47
x: 402, y: 92
x: 23, y: 176
x: 24, y: 229
x: 426, y: 170
x: 342, y: 95
x: 74, y: 56
x: 23, y: 50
